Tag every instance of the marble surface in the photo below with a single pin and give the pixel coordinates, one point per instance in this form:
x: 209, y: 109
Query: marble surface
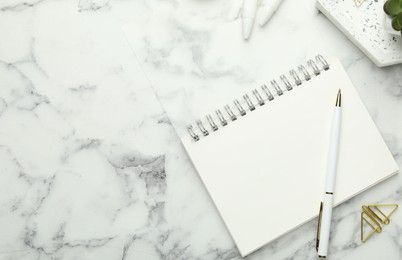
x: 91, y: 167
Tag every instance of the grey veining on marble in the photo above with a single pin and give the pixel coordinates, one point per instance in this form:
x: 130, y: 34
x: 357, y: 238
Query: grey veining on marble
x: 91, y: 167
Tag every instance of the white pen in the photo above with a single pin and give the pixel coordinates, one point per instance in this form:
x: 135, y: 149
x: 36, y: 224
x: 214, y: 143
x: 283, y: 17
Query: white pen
x: 248, y: 14
x: 324, y: 221
x: 267, y: 9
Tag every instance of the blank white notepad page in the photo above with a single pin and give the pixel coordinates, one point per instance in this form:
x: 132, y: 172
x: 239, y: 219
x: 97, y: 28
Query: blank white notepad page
x: 265, y: 171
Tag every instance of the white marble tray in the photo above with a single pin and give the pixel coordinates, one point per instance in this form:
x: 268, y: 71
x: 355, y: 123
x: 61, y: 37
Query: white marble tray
x: 364, y: 27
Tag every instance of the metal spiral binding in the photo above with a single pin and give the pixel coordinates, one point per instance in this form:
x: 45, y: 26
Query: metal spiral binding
x: 312, y: 64
x: 293, y: 73
x: 324, y: 63
x: 230, y: 113
x: 221, y: 118
x: 191, y: 132
x: 212, y: 123
x: 260, y: 101
x: 258, y: 97
x: 239, y: 107
x: 303, y: 70
x: 249, y: 102
x: 266, y: 90
x: 286, y: 82
x: 202, y: 128
x: 276, y: 87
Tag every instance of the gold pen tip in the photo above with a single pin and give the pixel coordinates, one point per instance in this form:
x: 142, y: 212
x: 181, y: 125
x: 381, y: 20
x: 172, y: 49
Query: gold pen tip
x: 338, y: 98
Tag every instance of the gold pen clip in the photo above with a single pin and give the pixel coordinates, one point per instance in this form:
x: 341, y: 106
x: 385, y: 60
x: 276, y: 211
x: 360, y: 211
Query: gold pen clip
x: 317, y: 243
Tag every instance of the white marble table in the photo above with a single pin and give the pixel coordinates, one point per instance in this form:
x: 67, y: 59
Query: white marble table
x: 91, y: 168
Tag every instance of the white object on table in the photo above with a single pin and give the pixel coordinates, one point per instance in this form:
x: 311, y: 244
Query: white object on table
x: 327, y: 204
x: 246, y: 166
x: 364, y: 27
x: 267, y: 9
x: 248, y: 15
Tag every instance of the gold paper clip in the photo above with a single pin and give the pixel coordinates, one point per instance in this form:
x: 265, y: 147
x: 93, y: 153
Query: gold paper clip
x: 317, y: 242
x: 359, y: 2
x: 375, y: 217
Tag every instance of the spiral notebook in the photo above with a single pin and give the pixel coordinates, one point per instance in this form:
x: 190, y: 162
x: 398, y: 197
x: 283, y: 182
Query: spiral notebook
x: 258, y: 142
x: 263, y: 156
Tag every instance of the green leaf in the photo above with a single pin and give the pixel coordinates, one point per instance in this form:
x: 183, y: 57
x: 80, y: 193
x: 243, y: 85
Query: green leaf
x: 395, y: 24
x: 393, y: 7
x: 399, y: 18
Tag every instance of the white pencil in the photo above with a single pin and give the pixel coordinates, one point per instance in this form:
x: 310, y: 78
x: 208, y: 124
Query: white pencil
x: 324, y: 225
